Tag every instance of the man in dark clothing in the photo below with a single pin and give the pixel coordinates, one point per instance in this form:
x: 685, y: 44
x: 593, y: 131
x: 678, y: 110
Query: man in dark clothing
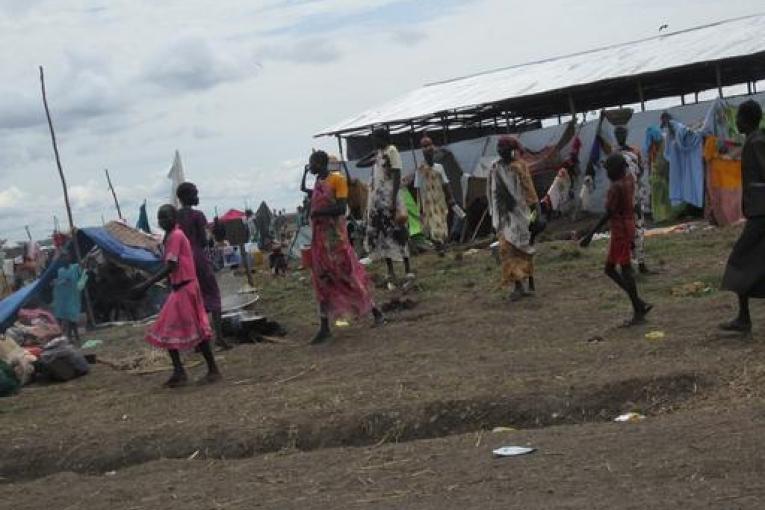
x: 745, y: 273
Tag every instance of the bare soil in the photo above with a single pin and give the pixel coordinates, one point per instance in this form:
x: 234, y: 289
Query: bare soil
x: 402, y: 416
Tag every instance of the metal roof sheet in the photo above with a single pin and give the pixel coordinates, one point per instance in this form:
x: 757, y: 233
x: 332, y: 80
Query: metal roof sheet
x: 713, y: 42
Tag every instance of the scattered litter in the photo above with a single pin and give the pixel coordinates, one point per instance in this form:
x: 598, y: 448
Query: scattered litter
x: 193, y: 455
x: 124, y: 417
x: 365, y: 261
x: 601, y: 235
x: 342, y: 324
x: 596, y: 339
x: 513, y: 451
x: 655, y: 336
x: 247, y: 290
x: 683, y: 228
x: 629, y: 418
x: 497, y: 430
x: 472, y: 251
x: 92, y: 344
x: 695, y: 289
x: 111, y: 473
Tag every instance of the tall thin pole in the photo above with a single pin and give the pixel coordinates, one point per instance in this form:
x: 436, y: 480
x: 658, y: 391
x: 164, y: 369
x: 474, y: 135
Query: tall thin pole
x: 88, y: 307
x: 111, y: 188
x: 29, y: 234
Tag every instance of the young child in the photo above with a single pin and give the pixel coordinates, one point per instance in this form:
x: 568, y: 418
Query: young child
x: 277, y: 261
x: 182, y: 323
x: 620, y: 214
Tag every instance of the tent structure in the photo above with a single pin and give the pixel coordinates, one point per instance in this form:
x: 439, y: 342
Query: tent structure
x: 231, y: 215
x: 518, y: 97
x: 112, y: 247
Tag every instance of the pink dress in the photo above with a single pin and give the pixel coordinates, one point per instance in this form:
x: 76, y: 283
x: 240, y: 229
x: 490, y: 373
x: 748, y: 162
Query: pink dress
x: 342, y: 286
x: 182, y: 322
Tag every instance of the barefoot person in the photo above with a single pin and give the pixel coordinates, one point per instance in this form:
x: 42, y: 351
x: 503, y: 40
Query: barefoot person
x: 194, y: 225
x: 635, y: 169
x: 386, y: 238
x: 182, y: 323
x: 340, y: 282
x: 745, y: 273
x: 620, y: 213
x: 511, y: 196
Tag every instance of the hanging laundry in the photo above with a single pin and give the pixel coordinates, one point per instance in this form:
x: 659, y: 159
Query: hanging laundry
x: 724, y: 181
x: 683, y: 150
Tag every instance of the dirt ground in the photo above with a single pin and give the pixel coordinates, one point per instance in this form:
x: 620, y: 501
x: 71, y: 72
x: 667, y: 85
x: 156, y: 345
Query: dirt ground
x: 404, y: 416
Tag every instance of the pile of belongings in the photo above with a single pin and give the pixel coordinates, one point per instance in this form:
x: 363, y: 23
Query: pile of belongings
x: 57, y: 361
x: 34, y: 327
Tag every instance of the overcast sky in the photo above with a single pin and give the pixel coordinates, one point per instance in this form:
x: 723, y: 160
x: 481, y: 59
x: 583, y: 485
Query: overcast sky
x: 240, y: 87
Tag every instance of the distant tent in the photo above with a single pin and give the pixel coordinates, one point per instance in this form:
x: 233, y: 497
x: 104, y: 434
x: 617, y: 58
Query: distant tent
x: 232, y: 215
x: 263, y: 222
x: 143, y: 220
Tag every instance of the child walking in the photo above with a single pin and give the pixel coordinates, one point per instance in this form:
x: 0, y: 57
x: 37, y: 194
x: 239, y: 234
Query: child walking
x: 620, y: 214
x: 182, y: 323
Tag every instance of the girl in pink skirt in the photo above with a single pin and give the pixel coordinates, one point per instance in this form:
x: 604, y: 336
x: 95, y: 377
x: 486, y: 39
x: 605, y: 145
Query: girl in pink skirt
x: 182, y: 323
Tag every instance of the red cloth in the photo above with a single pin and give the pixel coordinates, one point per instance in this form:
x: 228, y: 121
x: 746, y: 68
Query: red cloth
x: 621, y: 205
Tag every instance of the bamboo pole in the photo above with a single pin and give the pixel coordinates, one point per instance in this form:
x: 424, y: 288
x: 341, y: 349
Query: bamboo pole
x: 114, y: 195
x: 73, y: 231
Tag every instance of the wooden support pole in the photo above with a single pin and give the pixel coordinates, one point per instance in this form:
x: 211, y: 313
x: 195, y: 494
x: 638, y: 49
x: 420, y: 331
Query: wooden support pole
x: 572, y: 105
x: 445, y: 129
x: 73, y: 231
x: 718, y: 77
x: 696, y: 97
x: 749, y: 88
x: 641, y: 96
x: 412, y: 145
x: 342, y: 158
x: 682, y: 99
x: 114, y: 194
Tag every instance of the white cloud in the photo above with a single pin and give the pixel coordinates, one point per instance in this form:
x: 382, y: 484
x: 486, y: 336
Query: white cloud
x: 193, y: 62
x: 11, y: 197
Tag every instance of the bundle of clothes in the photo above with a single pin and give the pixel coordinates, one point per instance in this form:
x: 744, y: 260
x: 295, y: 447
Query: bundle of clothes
x: 56, y: 361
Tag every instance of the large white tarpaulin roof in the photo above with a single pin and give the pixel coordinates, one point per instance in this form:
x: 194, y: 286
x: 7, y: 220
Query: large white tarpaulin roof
x: 715, y: 42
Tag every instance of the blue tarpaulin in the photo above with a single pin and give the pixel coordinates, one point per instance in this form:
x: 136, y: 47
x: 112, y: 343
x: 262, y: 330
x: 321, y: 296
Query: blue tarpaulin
x: 116, y: 250
x: 87, y: 239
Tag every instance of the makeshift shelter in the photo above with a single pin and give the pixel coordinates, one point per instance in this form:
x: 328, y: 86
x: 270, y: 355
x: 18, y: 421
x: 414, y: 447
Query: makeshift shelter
x: 112, y: 247
x: 467, y: 114
x: 263, y: 223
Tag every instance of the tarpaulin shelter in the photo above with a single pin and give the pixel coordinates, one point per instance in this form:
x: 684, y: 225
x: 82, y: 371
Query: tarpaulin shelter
x: 87, y: 238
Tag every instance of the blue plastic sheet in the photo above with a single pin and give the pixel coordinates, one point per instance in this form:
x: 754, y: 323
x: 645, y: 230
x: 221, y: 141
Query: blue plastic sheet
x: 87, y: 239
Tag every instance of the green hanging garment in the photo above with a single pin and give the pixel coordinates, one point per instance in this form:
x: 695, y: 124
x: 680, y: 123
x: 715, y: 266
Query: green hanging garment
x: 413, y: 211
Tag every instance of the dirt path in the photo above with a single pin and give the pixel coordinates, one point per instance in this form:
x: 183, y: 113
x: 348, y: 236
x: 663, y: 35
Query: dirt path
x: 293, y: 421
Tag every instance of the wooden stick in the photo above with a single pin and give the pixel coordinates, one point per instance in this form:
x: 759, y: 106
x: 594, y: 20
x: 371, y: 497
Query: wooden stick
x: 29, y: 234
x: 478, y: 226
x: 114, y: 195
x: 301, y: 374
x: 88, y: 306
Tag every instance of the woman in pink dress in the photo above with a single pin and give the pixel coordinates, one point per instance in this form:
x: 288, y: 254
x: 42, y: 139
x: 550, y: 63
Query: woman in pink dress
x: 182, y: 324
x: 342, y: 286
